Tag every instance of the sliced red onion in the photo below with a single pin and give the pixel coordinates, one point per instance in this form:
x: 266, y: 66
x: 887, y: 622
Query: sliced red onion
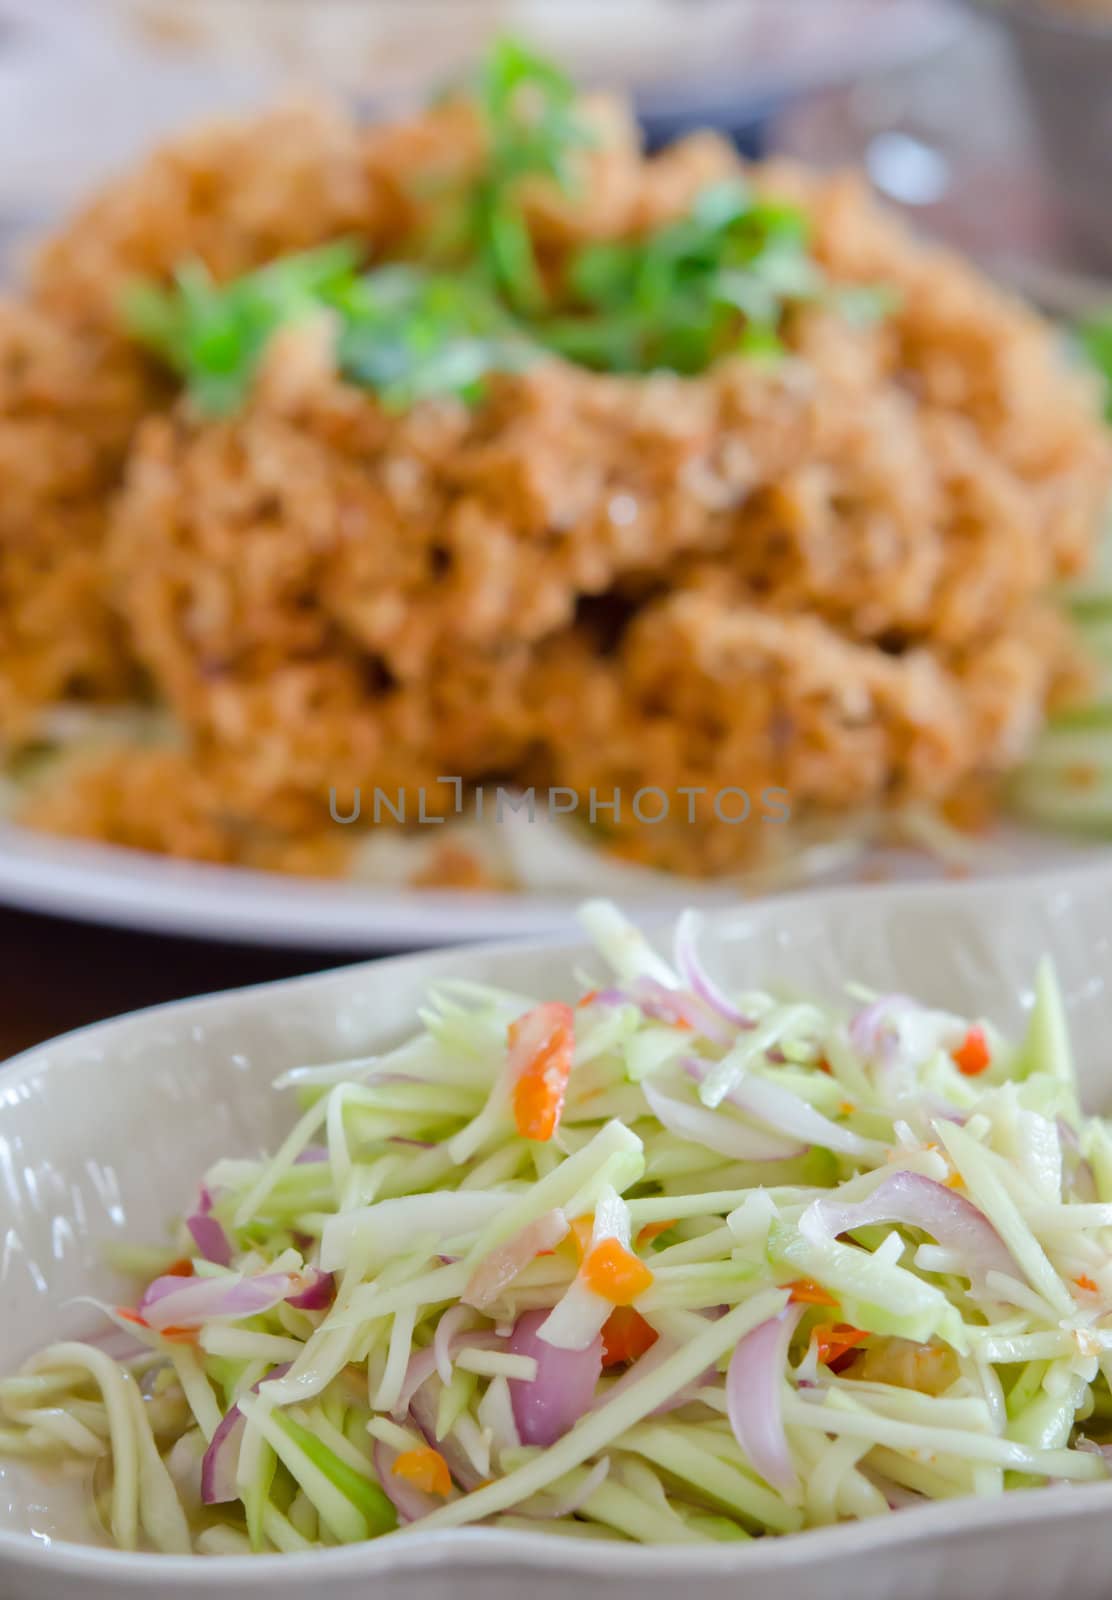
x: 917, y: 1202
x: 409, y: 1502
x: 495, y: 1271
x: 423, y: 1363
x: 785, y: 1111
x: 715, y: 1131
x: 124, y: 1322
x: 218, y: 1467
x: 422, y: 1413
x: 673, y: 1006
x: 874, y: 1034
x: 754, y: 1386
x: 221, y: 1459
x: 450, y: 1324
x: 659, y: 1003
x: 564, y: 1388
x: 208, y: 1234
x: 317, y: 1293
x: 211, y: 1240
x: 696, y: 977
x: 189, y: 1302
x: 312, y: 1154
x: 897, y: 1034
x: 610, y: 997
x: 159, y: 1287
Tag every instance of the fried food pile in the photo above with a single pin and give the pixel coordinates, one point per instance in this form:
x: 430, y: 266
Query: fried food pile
x: 827, y: 572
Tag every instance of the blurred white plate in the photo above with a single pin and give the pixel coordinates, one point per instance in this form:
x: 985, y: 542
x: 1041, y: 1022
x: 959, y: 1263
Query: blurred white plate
x: 103, y: 1133
x: 130, y: 889
x: 86, y: 86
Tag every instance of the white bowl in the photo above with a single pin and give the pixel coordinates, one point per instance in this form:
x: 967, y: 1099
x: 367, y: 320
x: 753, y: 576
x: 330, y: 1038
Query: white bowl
x: 104, y: 1133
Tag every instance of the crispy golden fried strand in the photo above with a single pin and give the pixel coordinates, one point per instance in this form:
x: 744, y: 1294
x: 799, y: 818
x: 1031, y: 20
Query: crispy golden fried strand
x: 709, y: 699
x: 828, y: 572
x: 69, y: 403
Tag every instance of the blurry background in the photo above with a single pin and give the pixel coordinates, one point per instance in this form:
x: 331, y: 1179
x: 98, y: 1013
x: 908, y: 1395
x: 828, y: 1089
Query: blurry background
x: 924, y: 93
x: 990, y: 123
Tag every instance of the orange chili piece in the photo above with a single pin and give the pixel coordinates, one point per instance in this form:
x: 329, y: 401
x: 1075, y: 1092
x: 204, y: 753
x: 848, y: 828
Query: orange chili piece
x: 625, y: 1336
x: 424, y: 1469
x: 541, y: 1043
x: 835, y: 1340
x: 972, y: 1055
x: 653, y: 1230
x: 806, y: 1292
x: 615, y: 1273
x: 182, y: 1268
x: 1083, y: 1281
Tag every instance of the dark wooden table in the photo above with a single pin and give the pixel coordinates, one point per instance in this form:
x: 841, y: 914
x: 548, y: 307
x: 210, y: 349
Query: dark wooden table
x: 59, y: 975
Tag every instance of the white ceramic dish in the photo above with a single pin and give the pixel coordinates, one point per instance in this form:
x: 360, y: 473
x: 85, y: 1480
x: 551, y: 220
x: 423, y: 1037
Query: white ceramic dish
x: 103, y: 1133
x: 130, y: 889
